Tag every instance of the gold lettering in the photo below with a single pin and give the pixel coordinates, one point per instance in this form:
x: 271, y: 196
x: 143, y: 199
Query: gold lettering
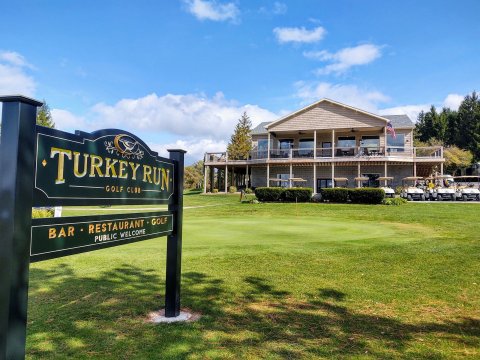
x: 134, y: 169
x: 147, y: 172
x: 76, y: 160
x: 91, y: 228
x: 110, y: 165
x: 157, y: 179
x: 165, y: 179
x: 52, y: 233
x: 61, y: 162
x: 121, y: 172
x: 95, y: 164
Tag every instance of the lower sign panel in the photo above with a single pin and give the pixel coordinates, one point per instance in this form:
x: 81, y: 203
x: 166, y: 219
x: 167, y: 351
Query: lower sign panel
x: 56, y: 237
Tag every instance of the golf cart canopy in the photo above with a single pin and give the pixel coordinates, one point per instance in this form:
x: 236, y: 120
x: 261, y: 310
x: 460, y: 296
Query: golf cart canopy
x: 340, y: 179
x: 381, y: 178
x: 413, y: 178
x: 361, y: 178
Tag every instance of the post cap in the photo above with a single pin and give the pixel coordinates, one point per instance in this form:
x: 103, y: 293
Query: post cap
x: 20, y: 98
x: 177, y: 150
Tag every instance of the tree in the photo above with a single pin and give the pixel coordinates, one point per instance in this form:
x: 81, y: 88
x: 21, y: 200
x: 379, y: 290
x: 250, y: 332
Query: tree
x: 456, y: 159
x: 44, y: 116
x: 469, y: 124
x: 193, y: 176
x: 241, y: 139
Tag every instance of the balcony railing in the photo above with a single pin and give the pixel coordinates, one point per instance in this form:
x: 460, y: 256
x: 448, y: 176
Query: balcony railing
x: 359, y: 152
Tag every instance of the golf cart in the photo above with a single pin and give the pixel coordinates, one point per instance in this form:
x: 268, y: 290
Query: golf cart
x: 467, y: 191
x: 340, y: 182
x: 387, y: 188
x: 444, y: 188
x: 412, y: 188
x: 360, y: 181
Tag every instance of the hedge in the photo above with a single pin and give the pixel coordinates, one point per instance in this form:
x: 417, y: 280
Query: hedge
x: 337, y: 195
x: 297, y: 194
x: 366, y: 195
x: 272, y: 194
x: 269, y: 193
x: 357, y: 196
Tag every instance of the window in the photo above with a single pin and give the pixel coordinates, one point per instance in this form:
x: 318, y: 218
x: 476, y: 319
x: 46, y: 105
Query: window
x: 346, y: 142
x: 262, y: 148
x: 371, y: 141
x: 326, y: 149
x: 285, y: 180
x: 285, y: 145
x: 372, y: 180
x: 305, y: 147
x: 396, y: 144
x: 324, y: 183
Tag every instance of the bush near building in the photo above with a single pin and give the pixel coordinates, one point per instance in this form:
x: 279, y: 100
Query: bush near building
x: 357, y: 196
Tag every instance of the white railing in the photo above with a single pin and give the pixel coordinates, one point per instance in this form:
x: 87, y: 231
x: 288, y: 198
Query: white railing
x: 432, y: 152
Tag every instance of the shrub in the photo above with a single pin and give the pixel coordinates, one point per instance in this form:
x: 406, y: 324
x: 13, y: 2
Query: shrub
x: 394, y: 201
x: 215, y: 191
x: 38, y: 213
x: 232, y: 189
x: 269, y: 193
x: 337, y: 195
x: 398, y: 190
x: 248, y: 191
x: 297, y: 194
x: 366, y: 195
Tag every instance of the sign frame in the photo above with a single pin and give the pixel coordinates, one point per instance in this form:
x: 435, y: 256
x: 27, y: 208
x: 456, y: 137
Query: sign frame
x: 17, y: 197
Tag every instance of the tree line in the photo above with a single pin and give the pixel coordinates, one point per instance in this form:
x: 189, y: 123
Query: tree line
x: 458, y: 131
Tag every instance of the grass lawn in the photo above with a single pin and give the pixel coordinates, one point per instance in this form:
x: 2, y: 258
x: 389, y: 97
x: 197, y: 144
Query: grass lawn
x: 273, y: 281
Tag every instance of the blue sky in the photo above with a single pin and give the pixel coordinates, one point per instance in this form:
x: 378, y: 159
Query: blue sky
x: 180, y: 73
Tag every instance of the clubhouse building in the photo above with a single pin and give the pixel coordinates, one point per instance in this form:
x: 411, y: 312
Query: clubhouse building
x: 326, y: 144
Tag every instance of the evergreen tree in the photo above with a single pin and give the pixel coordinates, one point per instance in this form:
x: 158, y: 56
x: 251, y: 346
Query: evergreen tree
x: 469, y: 124
x: 44, y: 117
x: 241, y: 139
x: 193, y: 178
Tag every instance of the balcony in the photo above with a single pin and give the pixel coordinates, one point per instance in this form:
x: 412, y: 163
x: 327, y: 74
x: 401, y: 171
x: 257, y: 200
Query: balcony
x: 358, y: 153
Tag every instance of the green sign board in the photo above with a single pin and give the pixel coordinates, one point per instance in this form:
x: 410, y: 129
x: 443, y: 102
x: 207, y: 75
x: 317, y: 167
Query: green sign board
x: 104, y: 167
x: 55, y: 237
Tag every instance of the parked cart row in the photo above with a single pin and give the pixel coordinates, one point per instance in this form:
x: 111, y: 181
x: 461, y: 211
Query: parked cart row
x: 441, y: 188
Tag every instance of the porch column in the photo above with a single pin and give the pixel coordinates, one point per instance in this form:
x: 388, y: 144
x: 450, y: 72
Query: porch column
x: 314, y: 144
x: 268, y: 175
x: 268, y: 147
x: 226, y: 178
x: 414, y: 169
x: 333, y: 143
x: 212, y: 178
x: 333, y: 174
x: 386, y: 172
x: 205, y: 169
x: 358, y: 169
x: 247, y: 178
x: 441, y: 168
x: 291, y: 175
x: 314, y: 179
x: 233, y: 181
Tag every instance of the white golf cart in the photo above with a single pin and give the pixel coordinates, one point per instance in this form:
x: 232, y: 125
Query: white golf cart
x: 340, y: 182
x: 360, y: 181
x: 444, y: 188
x: 413, y: 188
x: 389, y: 192
x: 467, y: 189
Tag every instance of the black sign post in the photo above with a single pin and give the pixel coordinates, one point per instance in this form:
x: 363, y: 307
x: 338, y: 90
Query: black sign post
x: 48, y: 167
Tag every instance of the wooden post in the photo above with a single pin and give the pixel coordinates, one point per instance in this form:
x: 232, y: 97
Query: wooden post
x: 174, y: 240
x: 314, y: 144
x: 205, y: 169
x: 268, y: 175
x: 17, y: 156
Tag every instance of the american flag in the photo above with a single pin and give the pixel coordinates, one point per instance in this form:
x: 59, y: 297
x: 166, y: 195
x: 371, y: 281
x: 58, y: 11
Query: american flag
x: 391, y: 130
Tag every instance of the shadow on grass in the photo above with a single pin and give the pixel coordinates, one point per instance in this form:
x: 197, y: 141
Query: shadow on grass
x: 103, y: 317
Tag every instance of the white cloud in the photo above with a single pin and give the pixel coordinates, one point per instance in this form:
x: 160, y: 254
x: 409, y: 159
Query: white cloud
x: 65, y: 120
x: 195, y: 147
x: 349, y: 94
x: 179, y: 114
x: 212, y: 10
x: 279, y: 8
x: 453, y: 101
x: 345, y: 58
x: 299, y: 35
x: 14, y: 77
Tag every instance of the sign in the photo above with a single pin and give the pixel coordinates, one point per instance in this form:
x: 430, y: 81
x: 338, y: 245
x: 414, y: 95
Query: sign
x: 47, y: 167
x: 103, y: 167
x: 55, y: 237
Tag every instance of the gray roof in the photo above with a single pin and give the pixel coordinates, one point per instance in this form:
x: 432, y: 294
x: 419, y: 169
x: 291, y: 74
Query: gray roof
x: 260, y: 129
x: 400, y: 121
